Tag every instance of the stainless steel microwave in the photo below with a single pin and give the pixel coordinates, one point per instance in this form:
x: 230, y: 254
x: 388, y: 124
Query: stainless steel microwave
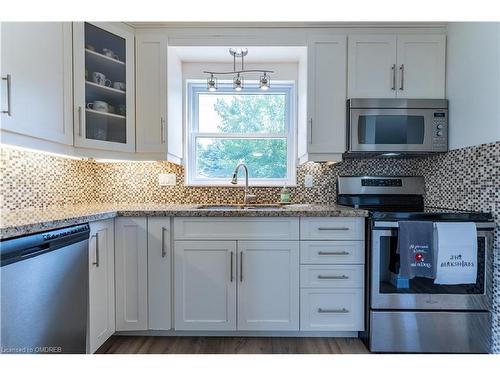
x: 397, y: 126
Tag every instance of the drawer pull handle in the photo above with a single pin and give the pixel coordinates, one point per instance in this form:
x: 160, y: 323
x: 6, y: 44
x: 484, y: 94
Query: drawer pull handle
x: 333, y: 253
x: 341, y: 277
x: 333, y: 228
x: 333, y: 311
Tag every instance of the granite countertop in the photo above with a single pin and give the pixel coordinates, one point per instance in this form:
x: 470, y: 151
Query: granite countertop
x: 21, y: 222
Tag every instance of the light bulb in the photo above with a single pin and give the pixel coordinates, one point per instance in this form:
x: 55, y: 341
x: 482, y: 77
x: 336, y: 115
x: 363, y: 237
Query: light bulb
x: 264, y: 82
x: 238, y: 83
x: 212, y: 83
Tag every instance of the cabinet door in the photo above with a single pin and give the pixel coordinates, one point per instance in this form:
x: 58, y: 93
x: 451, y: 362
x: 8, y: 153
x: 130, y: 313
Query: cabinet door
x: 421, y: 66
x: 326, y: 96
x: 104, y: 107
x: 131, y: 274
x: 37, y: 58
x: 151, y: 101
x: 159, y: 273
x: 205, y: 285
x: 372, y: 66
x: 101, y: 283
x: 268, y: 285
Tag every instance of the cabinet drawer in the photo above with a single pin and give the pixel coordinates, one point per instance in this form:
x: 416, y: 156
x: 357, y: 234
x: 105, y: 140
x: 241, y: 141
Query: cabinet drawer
x: 331, y: 309
x: 329, y: 276
x: 236, y: 228
x: 332, y: 252
x: 332, y: 228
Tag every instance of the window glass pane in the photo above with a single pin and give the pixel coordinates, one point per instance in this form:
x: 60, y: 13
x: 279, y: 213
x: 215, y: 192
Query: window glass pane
x: 217, y: 157
x: 243, y: 113
x: 384, y: 129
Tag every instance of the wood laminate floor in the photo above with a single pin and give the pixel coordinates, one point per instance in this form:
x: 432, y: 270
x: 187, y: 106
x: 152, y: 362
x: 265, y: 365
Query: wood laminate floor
x: 231, y: 345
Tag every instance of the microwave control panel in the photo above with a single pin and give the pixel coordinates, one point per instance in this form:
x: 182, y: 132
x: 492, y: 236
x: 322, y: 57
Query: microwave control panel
x: 440, y: 131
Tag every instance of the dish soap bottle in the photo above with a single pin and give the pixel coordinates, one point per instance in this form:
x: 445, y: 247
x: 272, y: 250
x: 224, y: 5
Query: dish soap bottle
x: 285, y: 195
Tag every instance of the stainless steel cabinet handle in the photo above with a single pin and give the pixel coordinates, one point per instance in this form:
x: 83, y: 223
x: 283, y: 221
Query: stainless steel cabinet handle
x: 333, y: 311
x: 311, y: 130
x: 342, y: 277
x: 96, y: 263
x: 333, y: 228
x: 402, y: 70
x: 162, y: 123
x: 163, y: 251
x: 80, y: 121
x: 333, y: 253
x: 241, y: 266
x: 231, y: 277
x: 8, y: 78
x: 393, y: 68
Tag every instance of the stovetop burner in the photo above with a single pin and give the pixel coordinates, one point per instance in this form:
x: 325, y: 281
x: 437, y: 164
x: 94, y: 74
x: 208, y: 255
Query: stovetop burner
x: 397, y: 198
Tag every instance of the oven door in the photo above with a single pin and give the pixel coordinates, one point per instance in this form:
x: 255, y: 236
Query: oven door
x: 388, y: 291
x: 400, y: 130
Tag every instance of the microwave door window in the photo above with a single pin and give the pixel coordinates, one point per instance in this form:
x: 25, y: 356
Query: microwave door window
x: 390, y: 129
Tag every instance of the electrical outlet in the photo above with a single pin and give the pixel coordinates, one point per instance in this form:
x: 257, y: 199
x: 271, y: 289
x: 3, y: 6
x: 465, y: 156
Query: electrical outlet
x: 308, y: 181
x: 166, y: 179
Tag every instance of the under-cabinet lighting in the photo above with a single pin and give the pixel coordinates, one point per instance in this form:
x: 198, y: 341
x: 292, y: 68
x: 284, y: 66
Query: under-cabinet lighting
x: 122, y: 161
x: 43, y: 152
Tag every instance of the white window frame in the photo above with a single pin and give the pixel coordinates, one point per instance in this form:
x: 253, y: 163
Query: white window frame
x: 196, y: 86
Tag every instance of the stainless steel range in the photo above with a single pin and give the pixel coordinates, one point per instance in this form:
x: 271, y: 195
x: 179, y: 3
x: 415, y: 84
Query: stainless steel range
x: 418, y: 315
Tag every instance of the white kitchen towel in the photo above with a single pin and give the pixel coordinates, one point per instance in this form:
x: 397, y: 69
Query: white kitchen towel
x: 456, y: 258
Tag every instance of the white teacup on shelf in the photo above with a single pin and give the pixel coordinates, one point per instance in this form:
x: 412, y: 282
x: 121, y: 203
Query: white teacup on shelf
x: 119, y: 85
x: 109, y: 53
x: 100, y: 79
x: 98, y: 105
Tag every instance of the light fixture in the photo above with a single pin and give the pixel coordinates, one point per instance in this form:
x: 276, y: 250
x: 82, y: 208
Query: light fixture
x: 238, y: 82
x: 264, y: 81
x: 212, y: 83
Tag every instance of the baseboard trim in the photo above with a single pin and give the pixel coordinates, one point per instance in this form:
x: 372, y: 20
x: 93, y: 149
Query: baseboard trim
x: 352, y: 334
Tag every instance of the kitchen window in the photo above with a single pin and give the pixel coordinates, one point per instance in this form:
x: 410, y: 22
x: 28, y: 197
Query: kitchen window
x: 252, y: 126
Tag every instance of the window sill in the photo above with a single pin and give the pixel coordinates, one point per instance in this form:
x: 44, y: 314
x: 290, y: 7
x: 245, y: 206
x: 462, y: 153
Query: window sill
x: 240, y: 185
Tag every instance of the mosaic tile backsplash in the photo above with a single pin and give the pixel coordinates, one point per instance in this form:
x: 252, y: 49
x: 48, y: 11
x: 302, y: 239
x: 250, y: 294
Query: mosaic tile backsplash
x: 467, y: 179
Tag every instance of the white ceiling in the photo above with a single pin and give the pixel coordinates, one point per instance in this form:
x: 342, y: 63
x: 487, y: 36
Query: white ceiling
x: 255, y: 54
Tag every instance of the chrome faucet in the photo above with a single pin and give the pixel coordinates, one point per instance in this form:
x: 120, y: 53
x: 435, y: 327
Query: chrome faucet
x: 248, y: 197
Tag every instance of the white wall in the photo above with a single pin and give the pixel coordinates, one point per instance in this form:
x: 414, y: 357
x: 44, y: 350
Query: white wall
x: 473, y: 83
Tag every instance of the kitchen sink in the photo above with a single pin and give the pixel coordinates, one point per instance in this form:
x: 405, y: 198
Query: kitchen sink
x: 224, y: 207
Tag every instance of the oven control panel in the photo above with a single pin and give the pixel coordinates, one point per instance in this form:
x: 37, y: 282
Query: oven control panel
x: 382, y: 182
x: 440, y: 131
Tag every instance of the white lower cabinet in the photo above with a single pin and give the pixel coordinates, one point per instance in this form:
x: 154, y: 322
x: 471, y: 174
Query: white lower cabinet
x: 131, y: 273
x: 332, y: 274
x: 101, y: 283
x: 205, y: 285
x: 268, y: 285
x: 240, y: 281
x: 332, y: 309
x: 159, y: 274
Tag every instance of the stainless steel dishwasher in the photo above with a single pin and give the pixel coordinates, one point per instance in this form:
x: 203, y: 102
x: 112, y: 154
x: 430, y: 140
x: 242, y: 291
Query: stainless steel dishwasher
x: 44, y: 292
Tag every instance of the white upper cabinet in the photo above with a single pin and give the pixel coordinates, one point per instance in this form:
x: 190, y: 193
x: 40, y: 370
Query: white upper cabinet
x: 268, y: 285
x: 151, y: 101
x: 36, y: 85
x: 421, y: 66
x: 372, y: 66
x: 159, y: 130
x: 104, y: 100
x: 101, y: 283
x: 326, y: 95
x: 403, y: 66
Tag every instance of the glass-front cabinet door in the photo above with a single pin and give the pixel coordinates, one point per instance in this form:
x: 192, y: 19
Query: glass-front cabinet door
x: 104, y: 86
